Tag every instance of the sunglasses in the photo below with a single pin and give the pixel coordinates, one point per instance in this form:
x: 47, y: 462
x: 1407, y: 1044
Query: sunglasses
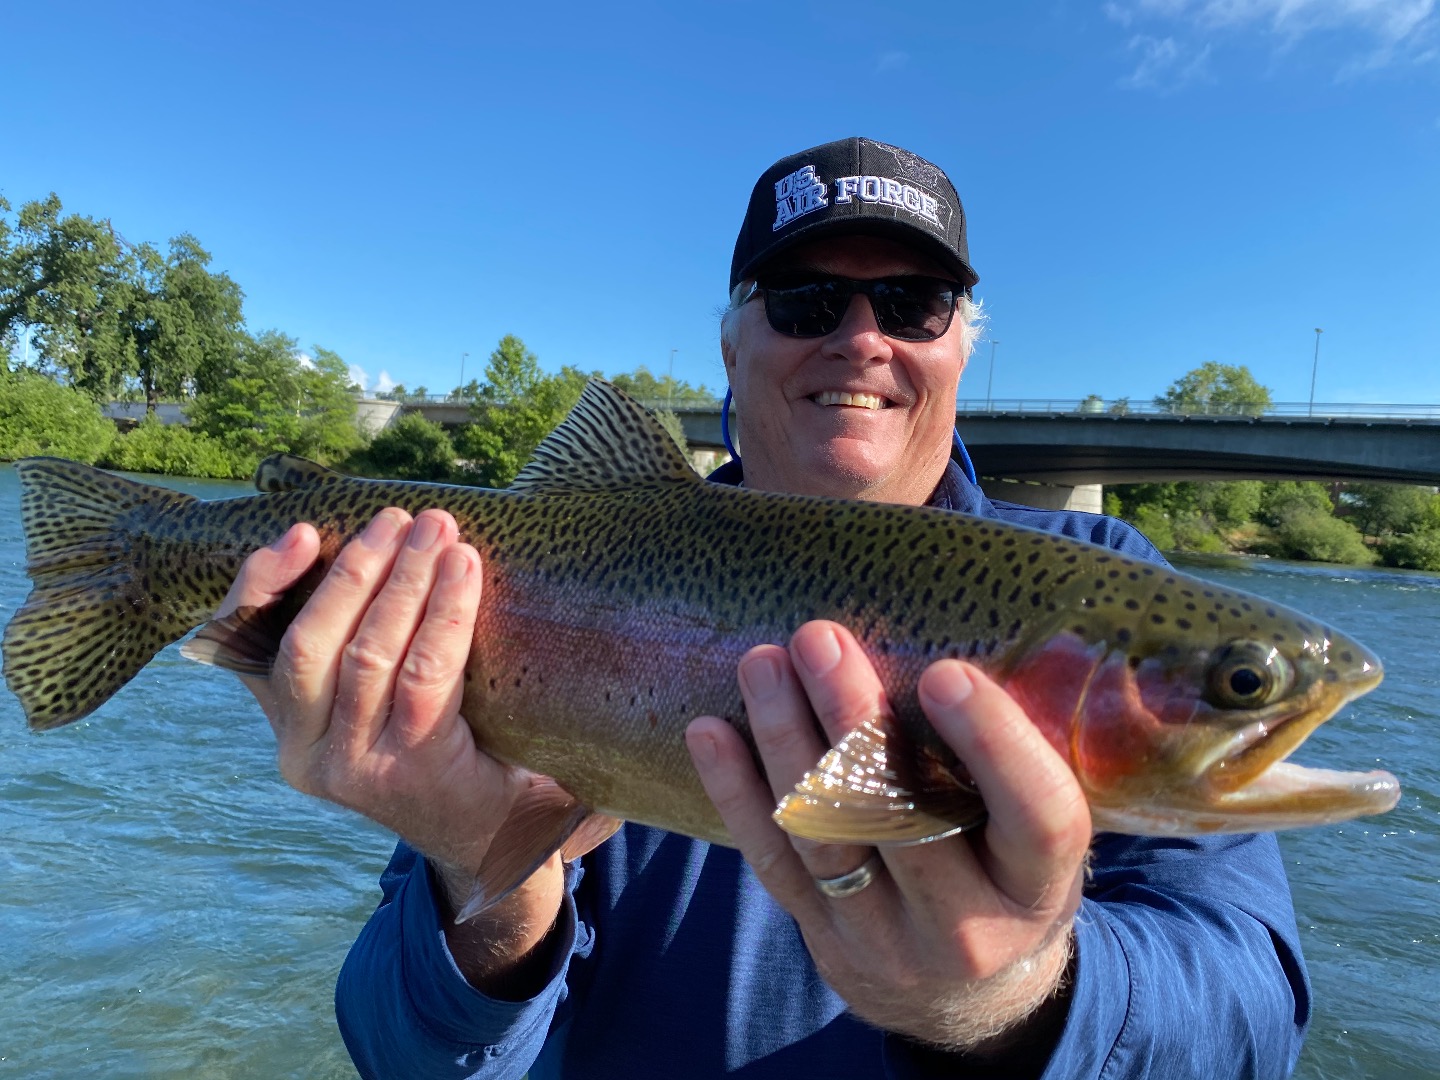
x: 807, y: 305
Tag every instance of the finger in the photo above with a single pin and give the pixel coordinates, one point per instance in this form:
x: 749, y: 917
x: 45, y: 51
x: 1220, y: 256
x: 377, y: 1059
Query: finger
x: 782, y: 722
x: 1039, y: 827
x: 308, y: 665
x: 743, y: 799
x: 839, y: 680
x: 270, y: 571
x: 430, y: 684
x: 372, y: 658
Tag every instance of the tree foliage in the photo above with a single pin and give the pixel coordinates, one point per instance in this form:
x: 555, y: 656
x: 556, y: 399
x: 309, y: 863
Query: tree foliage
x: 111, y: 318
x: 1386, y: 509
x: 175, y: 450
x: 39, y: 416
x: 1216, y: 389
x: 671, y: 392
x: 515, y: 409
x: 270, y: 401
x: 412, y: 448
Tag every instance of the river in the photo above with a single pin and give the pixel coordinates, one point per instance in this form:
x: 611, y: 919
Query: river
x: 172, y: 909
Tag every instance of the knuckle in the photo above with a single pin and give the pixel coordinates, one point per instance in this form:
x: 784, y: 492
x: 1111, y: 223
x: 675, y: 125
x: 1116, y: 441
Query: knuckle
x: 425, y: 666
x: 363, y: 657
x: 353, y: 571
x: 298, y: 654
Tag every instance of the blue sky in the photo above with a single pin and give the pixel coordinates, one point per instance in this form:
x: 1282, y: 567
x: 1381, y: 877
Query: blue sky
x: 1150, y: 184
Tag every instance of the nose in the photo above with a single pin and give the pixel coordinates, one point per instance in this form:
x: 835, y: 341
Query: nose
x: 858, y: 338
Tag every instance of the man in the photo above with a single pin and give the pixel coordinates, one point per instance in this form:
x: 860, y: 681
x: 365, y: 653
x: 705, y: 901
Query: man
x: 1025, y: 948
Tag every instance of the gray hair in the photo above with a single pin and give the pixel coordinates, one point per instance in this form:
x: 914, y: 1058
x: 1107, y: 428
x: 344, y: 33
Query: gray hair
x: 971, y: 312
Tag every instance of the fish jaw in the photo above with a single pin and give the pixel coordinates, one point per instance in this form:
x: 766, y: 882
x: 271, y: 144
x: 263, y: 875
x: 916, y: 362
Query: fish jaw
x: 1284, y: 796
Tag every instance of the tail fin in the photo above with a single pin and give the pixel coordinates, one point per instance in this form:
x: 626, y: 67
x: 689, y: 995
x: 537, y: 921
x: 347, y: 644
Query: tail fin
x: 91, y: 621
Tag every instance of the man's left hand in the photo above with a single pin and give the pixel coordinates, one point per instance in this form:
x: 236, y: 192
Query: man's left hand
x: 961, y: 943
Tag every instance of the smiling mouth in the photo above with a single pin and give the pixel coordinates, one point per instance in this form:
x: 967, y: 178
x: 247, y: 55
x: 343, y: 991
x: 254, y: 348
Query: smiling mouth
x: 857, y: 401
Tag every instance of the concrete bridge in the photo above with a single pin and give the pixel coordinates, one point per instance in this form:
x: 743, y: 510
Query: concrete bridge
x: 1059, y: 453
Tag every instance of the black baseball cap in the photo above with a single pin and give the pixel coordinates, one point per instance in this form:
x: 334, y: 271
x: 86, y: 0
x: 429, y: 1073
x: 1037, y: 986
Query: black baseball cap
x: 853, y: 186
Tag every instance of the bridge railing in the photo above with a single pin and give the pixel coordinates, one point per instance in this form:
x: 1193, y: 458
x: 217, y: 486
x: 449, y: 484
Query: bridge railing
x: 1081, y: 407
x: 1123, y: 407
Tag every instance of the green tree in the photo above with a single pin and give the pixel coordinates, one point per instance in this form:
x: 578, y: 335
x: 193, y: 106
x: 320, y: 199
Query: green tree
x: 1280, y: 498
x: 516, y: 408
x: 269, y: 401
x: 1216, y: 389
x: 674, y: 393
x: 412, y: 448
x: 64, y: 285
x: 110, y: 317
x: 39, y: 416
x: 1385, y: 509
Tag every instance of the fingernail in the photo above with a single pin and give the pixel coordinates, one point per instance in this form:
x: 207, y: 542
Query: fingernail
x: 286, y: 542
x: 424, y: 533
x: 454, y: 567
x: 819, y: 651
x: 948, y: 685
x: 381, y: 532
x: 760, y: 676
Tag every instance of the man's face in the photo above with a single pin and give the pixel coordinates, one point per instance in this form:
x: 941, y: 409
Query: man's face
x: 892, y: 441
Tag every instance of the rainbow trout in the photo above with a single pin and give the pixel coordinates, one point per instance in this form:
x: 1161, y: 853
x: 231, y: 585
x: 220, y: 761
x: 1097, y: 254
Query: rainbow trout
x: 621, y: 590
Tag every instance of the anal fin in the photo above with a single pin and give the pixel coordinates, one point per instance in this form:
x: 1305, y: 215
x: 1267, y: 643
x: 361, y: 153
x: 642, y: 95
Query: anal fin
x: 245, y: 641
x: 874, y: 788
x: 544, y: 819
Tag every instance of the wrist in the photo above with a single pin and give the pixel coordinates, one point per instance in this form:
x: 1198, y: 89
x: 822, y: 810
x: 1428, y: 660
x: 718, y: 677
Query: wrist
x: 507, y: 950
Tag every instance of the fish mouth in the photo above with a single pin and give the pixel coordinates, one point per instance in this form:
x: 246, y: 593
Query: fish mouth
x: 1251, y: 782
x: 1274, y: 734
x: 855, y: 399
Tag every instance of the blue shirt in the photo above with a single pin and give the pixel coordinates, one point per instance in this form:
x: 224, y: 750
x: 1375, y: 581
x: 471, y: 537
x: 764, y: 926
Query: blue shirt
x: 673, y: 961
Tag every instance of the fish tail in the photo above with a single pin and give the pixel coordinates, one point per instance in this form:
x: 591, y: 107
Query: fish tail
x: 96, y: 612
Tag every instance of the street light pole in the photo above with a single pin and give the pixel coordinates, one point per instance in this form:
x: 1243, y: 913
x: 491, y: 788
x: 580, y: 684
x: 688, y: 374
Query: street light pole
x: 990, y: 380
x: 670, y: 382
x: 463, y: 357
x: 1314, y: 368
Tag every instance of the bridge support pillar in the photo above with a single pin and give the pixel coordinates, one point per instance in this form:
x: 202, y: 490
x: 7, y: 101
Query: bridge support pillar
x: 1085, y: 497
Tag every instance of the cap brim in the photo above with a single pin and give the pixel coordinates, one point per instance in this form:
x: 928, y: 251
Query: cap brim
x: 897, y: 230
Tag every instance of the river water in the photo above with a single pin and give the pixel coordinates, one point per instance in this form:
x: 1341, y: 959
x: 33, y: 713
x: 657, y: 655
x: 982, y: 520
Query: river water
x: 171, y: 909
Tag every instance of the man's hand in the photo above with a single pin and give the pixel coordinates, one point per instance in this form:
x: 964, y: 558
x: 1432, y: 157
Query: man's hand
x: 963, y: 942
x: 365, y: 695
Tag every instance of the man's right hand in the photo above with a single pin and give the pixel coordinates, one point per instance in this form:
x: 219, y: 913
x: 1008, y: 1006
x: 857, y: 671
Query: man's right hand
x: 365, y: 701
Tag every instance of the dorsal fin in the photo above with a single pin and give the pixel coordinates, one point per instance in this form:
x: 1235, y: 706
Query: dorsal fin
x: 607, y: 441
x: 286, y: 472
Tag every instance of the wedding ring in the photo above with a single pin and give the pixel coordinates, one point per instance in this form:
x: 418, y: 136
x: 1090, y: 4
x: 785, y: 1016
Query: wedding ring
x: 837, y: 888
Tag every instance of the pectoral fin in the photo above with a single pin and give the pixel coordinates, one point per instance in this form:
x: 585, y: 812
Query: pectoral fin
x: 544, y: 819
x: 875, y: 788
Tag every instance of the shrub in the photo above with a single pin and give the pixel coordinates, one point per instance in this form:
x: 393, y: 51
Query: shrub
x: 1156, y: 527
x: 1414, y: 551
x: 412, y: 448
x: 1194, y: 532
x: 1305, y: 532
x: 175, y: 450
x: 39, y: 416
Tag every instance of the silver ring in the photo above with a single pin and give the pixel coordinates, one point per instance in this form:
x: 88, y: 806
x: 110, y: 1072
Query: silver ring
x: 837, y: 888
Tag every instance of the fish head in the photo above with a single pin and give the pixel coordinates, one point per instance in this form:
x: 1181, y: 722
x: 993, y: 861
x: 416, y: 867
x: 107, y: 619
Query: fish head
x: 1180, y: 724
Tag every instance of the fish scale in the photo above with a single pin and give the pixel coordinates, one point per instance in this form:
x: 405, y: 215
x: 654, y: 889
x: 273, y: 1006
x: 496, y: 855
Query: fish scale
x: 621, y: 591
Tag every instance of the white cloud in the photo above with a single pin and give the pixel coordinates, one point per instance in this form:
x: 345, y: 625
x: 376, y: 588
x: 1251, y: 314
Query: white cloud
x: 1165, y: 64
x: 893, y: 60
x: 305, y: 359
x: 384, y: 383
x: 1378, y: 32
x: 358, y: 377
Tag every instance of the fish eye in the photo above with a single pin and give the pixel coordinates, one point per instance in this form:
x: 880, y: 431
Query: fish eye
x: 1248, y: 675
